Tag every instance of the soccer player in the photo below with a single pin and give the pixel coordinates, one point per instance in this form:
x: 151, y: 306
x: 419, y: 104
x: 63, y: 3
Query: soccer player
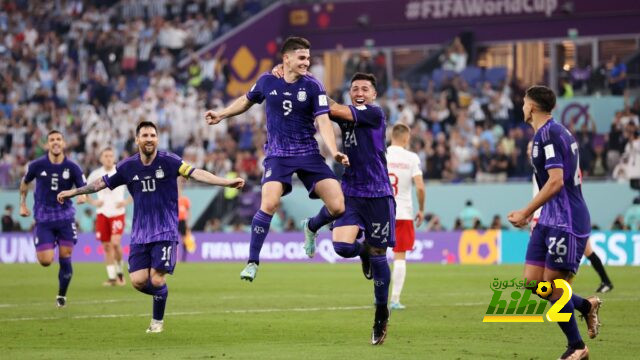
x: 605, y: 283
x: 55, y: 222
x: 293, y: 102
x: 151, y: 178
x: 370, y: 207
x: 404, y: 169
x: 110, y: 214
x: 559, y: 239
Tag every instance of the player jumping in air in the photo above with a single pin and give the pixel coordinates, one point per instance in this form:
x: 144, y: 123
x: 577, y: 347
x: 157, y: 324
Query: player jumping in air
x: 293, y: 102
x: 55, y: 222
x: 559, y: 239
x: 404, y: 169
x: 110, y: 214
x: 151, y: 178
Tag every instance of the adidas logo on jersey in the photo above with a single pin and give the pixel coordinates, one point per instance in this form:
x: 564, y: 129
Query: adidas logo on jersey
x: 43, y: 173
x: 273, y: 92
x: 136, y: 178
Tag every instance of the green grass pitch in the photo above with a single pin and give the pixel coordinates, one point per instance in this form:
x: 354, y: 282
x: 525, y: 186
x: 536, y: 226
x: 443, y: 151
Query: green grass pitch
x: 293, y: 311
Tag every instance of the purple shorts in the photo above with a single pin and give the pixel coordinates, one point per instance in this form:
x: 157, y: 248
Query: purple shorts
x: 311, y: 169
x: 159, y: 255
x: 52, y: 233
x: 555, y: 249
x: 376, y: 218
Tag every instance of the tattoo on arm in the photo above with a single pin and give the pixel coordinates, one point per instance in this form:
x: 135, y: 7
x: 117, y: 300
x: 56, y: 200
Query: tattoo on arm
x: 91, y: 188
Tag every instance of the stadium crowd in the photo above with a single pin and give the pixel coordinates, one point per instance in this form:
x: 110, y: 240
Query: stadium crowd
x: 93, y: 69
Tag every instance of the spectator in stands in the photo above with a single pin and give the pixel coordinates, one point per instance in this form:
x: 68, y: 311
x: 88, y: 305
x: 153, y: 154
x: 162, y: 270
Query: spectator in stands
x: 454, y: 57
x: 497, y: 224
x: 629, y: 166
x: 632, y: 215
x: 8, y: 223
x: 469, y: 215
x: 617, y: 76
x: 618, y: 223
x: 432, y: 222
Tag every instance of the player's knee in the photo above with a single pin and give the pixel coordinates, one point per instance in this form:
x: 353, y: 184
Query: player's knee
x: 270, y: 206
x: 344, y: 249
x: 375, y: 251
x: 45, y: 262
x: 336, y: 207
x: 157, y: 281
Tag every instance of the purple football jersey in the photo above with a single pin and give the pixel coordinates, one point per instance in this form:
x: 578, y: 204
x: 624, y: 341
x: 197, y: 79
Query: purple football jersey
x: 50, y: 180
x: 291, y: 112
x: 555, y: 147
x: 155, y: 195
x: 363, y: 141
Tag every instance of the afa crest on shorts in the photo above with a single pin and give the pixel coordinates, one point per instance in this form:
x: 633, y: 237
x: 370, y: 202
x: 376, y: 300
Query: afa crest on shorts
x: 302, y: 95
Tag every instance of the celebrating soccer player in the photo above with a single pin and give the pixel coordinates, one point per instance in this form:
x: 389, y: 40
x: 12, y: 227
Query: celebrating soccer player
x: 293, y: 102
x: 55, y: 222
x: 370, y: 207
x: 151, y: 177
x: 404, y: 169
x: 110, y: 216
x: 559, y: 239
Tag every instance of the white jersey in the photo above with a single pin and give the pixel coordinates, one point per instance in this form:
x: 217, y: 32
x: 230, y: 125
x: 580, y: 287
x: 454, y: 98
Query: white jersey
x: 108, y: 197
x: 403, y: 165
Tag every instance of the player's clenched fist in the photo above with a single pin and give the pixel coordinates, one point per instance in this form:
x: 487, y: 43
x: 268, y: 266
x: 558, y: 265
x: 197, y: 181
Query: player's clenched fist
x: 24, y: 211
x: 64, y: 195
x: 237, y: 183
x: 212, y: 117
x: 341, y: 158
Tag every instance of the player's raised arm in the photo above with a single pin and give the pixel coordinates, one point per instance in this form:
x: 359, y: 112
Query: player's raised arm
x: 339, y: 111
x: 326, y: 132
x: 206, y: 177
x: 87, y: 189
x: 238, y: 106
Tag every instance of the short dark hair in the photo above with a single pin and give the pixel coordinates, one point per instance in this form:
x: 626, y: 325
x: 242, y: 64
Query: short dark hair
x: 362, y: 76
x: 54, y: 131
x: 293, y: 43
x: 544, y: 97
x: 144, y: 124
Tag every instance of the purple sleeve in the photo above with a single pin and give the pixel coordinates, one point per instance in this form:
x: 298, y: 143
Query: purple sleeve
x: 114, y: 180
x: 366, y: 115
x: 31, y: 172
x: 319, y: 98
x: 255, y: 95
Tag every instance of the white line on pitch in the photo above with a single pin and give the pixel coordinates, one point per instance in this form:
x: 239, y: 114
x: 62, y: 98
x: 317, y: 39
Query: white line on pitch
x: 186, y: 313
x: 79, y: 302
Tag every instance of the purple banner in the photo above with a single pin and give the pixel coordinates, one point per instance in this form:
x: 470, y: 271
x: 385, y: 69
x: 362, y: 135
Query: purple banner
x: 434, y: 247
x: 419, y: 22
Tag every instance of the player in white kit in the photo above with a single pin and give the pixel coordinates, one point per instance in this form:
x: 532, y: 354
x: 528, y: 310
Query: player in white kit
x: 110, y: 214
x: 404, y: 169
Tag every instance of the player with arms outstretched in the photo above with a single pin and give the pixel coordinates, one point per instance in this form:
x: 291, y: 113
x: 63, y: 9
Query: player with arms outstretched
x: 55, y: 222
x: 151, y: 178
x: 293, y: 102
x: 404, y: 169
x: 110, y: 218
x: 559, y: 239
